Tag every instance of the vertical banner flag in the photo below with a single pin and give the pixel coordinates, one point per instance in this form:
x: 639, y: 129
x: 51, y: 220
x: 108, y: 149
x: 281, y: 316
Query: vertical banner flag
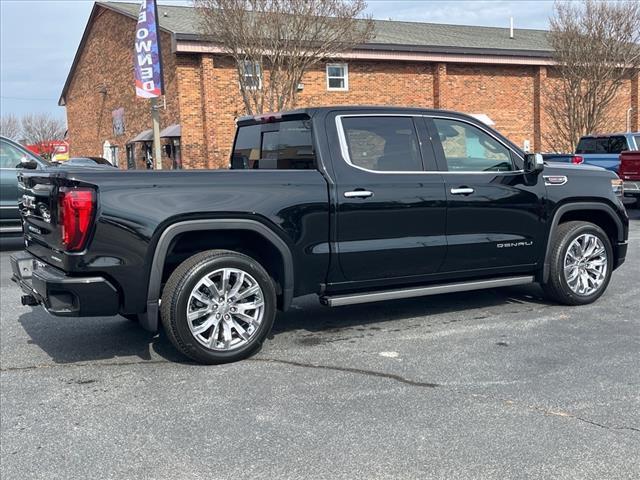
x: 148, y: 61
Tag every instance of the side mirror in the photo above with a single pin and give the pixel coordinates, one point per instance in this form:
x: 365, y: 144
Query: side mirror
x: 28, y: 163
x: 533, y: 163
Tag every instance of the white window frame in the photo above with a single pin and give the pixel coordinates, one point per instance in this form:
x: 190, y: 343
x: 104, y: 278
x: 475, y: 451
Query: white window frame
x: 256, y: 67
x: 345, y: 77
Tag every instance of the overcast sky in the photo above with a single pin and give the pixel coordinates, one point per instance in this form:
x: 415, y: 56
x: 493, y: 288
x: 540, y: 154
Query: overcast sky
x: 39, y: 38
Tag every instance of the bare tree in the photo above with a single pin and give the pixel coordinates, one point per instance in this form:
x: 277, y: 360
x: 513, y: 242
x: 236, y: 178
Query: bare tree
x: 41, y: 129
x: 10, y: 126
x: 597, y: 49
x: 274, y: 42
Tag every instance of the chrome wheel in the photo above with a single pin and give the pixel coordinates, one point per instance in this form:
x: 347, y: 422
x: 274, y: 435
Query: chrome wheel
x: 585, y: 264
x: 225, y: 309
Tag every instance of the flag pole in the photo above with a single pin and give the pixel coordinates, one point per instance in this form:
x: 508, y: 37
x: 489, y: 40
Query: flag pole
x: 148, y: 77
x: 155, y: 116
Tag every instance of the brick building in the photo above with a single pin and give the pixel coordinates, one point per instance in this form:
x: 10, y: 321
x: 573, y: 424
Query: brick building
x: 478, y: 70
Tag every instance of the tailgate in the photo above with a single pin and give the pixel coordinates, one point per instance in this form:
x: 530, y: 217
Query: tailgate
x: 608, y: 161
x: 39, y: 208
x: 629, y: 166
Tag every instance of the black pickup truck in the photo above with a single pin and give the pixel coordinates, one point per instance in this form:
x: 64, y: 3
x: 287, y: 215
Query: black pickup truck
x: 354, y: 204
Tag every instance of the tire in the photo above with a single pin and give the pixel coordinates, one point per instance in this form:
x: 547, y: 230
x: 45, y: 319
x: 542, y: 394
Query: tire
x: 557, y: 286
x: 197, y: 286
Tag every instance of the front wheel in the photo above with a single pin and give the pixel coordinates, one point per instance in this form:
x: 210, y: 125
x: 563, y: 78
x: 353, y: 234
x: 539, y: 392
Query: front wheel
x: 218, y: 306
x: 581, y: 260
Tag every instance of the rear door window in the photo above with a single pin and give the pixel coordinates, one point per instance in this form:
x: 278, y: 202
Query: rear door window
x: 382, y: 143
x: 617, y: 144
x: 286, y: 145
x: 593, y: 145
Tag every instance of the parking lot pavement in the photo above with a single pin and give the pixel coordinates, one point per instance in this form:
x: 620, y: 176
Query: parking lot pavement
x: 492, y: 384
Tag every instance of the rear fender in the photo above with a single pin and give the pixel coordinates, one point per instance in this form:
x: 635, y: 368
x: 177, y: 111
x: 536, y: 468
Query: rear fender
x: 149, y: 319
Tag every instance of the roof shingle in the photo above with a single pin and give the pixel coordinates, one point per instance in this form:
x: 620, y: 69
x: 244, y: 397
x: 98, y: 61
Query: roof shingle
x: 182, y: 20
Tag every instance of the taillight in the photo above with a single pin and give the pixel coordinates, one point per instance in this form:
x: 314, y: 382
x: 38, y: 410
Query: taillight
x: 577, y: 159
x: 76, y: 207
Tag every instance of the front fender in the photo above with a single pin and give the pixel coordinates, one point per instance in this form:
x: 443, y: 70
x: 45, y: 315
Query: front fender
x: 621, y: 232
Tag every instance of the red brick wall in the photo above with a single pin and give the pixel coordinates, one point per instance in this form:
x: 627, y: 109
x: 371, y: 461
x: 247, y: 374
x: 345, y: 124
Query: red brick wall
x: 379, y: 83
x: 504, y: 93
x: 507, y: 94
x: 107, y: 61
x: 616, y: 115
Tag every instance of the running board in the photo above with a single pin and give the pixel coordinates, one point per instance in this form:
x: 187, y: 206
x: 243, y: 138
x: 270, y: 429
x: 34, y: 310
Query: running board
x: 354, y: 298
x: 17, y: 229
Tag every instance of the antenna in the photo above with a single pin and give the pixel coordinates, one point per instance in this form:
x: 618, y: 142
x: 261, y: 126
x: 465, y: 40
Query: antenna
x: 511, y: 28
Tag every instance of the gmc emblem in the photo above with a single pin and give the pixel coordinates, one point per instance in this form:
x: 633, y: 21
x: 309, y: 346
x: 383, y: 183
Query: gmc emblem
x: 28, y: 201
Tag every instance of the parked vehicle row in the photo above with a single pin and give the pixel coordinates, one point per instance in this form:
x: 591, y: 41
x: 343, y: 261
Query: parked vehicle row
x: 354, y: 204
x: 599, y: 150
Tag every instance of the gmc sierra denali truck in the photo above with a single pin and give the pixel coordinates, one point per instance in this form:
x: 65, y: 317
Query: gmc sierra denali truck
x: 354, y: 204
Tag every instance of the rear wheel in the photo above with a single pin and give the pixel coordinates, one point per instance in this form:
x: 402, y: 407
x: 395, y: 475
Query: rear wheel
x: 218, y: 306
x: 580, y: 264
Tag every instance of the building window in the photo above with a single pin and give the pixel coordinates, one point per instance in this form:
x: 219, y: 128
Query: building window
x: 337, y: 76
x: 252, y: 74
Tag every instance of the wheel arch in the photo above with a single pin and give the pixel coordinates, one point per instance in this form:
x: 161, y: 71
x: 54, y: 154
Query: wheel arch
x: 597, y: 213
x: 149, y: 320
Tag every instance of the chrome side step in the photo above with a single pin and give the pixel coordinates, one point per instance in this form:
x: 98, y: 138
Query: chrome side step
x: 352, y: 299
x: 17, y: 229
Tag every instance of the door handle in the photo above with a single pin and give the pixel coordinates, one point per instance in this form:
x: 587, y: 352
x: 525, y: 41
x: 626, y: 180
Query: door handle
x: 358, y: 194
x: 462, y: 191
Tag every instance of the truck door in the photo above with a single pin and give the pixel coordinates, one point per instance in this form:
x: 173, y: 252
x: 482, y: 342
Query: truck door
x: 390, y: 210
x: 494, y: 209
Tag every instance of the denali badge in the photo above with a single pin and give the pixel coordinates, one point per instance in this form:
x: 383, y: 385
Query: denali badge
x: 514, y: 244
x: 33, y: 229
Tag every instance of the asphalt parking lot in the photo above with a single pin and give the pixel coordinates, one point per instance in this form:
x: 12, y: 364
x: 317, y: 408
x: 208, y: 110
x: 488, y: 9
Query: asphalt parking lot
x: 492, y: 384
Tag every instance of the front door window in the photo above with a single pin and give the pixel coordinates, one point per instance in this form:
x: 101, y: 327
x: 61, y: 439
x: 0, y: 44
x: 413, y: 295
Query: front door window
x: 466, y: 148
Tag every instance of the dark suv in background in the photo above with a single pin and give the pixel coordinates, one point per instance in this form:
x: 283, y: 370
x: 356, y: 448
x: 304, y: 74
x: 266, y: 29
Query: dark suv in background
x: 13, y: 158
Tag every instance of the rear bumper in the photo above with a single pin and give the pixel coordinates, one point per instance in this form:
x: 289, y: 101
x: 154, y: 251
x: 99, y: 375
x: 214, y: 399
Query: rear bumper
x: 632, y: 188
x: 61, y: 294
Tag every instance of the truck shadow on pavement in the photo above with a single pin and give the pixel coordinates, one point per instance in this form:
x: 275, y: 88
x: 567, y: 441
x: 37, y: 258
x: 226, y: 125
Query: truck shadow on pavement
x: 319, y: 324
x: 81, y: 340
